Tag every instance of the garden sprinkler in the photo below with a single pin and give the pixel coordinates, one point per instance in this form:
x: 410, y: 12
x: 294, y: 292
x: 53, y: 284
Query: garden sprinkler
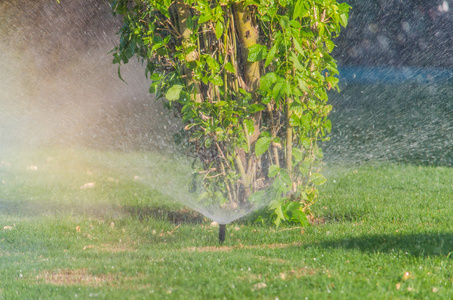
x: 222, y: 233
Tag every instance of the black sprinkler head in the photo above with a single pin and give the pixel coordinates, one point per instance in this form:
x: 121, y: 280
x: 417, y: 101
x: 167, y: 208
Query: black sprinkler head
x: 221, y: 233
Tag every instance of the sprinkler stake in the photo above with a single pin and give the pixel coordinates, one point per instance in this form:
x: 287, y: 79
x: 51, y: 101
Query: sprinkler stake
x: 221, y: 233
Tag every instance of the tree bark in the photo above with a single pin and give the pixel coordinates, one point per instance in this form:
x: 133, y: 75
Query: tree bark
x: 183, y: 16
x: 248, y: 35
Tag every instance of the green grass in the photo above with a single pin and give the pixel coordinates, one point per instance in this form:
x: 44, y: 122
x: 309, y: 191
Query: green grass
x: 121, y: 240
x: 407, y: 122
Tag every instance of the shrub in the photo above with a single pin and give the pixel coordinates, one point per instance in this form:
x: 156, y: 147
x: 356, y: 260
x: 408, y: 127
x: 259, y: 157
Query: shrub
x: 249, y: 80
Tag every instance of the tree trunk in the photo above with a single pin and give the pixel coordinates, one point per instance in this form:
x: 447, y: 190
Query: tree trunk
x: 248, y: 35
x: 183, y: 16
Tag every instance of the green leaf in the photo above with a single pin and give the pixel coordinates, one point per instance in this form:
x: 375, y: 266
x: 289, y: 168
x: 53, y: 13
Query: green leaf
x: 119, y: 74
x: 318, y: 152
x: 212, y: 63
x: 266, y: 100
x: 306, y: 142
x: 270, y: 55
x: 252, y: 2
x: 130, y: 51
x: 306, y: 32
x: 221, y: 103
x: 257, y: 52
x: 155, y: 77
x: 216, y: 80
x: 304, y: 167
x: 302, y: 85
x: 204, y: 18
x: 218, y: 29
x: 267, y: 81
x: 299, y: 9
x: 249, y: 125
x: 332, y: 80
x: 305, y: 120
x: 294, y: 120
x: 284, y: 22
x: 163, y: 9
x: 174, y: 92
x: 303, y: 195
x: 344, y: 7
x: 297, y: 154
x: 265, y: 133
x: 280, y: 217
x: 157, y: 46
x: 329, y: 45
x: 298, y: 47
x: 273, y: 171
x: 328, y: 125
x: 116, y: 58
x: 190, y: 22
x: 287, y: 89
x: 299, y: 216
x: 317, y: 179
x: 259, y: 219
x: 286, y: 178
x: 256, y: 108
x: 344, y: 20
x: 296, y: 62
x: 321, y: 29
x: 230, y: 68
x: 277, y: 90
x: 279, y: 186
x: 262, y: 145
x: 244, y: 92
x: 295, y: 25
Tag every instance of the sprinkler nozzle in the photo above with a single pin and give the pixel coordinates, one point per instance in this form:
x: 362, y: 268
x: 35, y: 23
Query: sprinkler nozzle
x: 222, y: 233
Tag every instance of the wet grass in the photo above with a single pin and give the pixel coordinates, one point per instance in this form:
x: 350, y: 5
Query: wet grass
x: 387, y: 234
x: 406, y: 123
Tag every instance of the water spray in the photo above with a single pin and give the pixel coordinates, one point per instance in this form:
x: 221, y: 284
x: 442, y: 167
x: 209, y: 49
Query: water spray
x: 222, y: 232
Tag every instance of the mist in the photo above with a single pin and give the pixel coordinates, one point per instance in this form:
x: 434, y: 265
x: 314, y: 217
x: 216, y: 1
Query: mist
x: 59, y: 88
x: 58, y: 85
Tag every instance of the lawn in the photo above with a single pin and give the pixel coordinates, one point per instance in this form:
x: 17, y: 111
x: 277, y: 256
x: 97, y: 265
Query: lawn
x: 408, y: 123
x: 78, y: 223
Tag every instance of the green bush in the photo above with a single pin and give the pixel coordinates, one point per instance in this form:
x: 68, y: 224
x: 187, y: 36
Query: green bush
x: 249, y: 80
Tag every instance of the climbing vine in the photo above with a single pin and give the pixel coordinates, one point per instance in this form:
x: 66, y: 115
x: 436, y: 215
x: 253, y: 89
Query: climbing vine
x: 249, y: 80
